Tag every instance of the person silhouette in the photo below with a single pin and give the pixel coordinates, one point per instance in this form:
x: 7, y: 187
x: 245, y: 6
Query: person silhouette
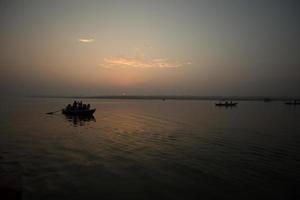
x: 74, y: 105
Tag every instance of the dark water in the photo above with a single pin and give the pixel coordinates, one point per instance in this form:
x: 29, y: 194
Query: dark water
x: 139, y: 149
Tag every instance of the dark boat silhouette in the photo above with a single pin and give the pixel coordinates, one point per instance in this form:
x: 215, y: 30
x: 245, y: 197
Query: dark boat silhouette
x: 295, y: 102
x: 267, y: 99
x: 78, y: 109
x: 85, y: 112
x: 226, y: 104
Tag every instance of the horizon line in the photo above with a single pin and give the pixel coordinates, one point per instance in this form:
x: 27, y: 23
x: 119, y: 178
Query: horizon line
x: 174, y: 97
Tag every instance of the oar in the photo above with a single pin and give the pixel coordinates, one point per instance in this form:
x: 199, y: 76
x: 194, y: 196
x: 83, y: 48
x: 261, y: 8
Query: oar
x: 50, y: 113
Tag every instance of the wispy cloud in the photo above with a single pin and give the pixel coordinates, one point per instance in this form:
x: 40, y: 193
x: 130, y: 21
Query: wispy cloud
x: 136, y: 62
x: 141, y: 61
x: 86, y: 40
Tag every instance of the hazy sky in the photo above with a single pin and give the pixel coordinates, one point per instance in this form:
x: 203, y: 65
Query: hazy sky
x: 148, y: 47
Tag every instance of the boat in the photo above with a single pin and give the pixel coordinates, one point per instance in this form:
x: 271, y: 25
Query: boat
x: 295, y: 102
x: 85, y: 112
x: 78, y: 109
x: 267, y: 99
x: 226, y: 104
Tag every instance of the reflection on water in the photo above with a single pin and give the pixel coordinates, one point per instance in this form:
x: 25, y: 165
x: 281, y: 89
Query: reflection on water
x: 227, y: 107
x: 151, y: 150
x: 80, y: 120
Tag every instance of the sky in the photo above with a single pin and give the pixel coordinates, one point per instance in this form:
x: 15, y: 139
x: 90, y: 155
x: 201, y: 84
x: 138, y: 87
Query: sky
x: 150, y: 47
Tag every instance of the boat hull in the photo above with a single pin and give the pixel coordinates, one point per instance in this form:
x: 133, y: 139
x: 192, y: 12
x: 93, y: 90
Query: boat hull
x: 226, y: 104
x: 292, y: 103
x: 78, y: 112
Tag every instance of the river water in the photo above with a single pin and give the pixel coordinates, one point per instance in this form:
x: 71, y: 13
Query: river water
x: 150, y: 149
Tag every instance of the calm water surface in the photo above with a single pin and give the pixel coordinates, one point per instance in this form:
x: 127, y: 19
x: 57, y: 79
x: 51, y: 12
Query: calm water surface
x: 139, y: 149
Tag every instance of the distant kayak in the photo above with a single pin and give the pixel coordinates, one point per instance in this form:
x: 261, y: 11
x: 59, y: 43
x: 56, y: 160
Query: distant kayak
x: 226, y: 104
x: 79, y: 112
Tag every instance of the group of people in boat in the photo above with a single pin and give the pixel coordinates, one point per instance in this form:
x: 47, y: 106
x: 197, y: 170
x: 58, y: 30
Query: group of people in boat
x: 226, y: 103
x: 78, y: 105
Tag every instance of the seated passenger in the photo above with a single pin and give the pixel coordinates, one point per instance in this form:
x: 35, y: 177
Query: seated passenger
x: 74, y: 105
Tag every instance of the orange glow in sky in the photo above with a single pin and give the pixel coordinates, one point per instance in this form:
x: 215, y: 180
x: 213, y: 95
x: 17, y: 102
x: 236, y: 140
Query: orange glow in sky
x: 139, y: 62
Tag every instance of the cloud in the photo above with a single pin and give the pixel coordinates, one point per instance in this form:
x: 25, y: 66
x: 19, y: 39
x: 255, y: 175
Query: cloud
x: 86, y: 40
x: 139, y: 62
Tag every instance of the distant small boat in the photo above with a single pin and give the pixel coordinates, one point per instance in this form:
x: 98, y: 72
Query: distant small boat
x: 226, y: 104
x: 295, y: 102
x: 86, y: 112
x: 267, y: 99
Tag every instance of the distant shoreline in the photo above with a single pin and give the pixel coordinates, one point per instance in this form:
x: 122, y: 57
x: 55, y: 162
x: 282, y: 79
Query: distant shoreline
x: 174, y: 97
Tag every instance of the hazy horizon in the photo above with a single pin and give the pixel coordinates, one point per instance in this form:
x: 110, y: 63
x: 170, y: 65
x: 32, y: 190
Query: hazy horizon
x: 139, y: 47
